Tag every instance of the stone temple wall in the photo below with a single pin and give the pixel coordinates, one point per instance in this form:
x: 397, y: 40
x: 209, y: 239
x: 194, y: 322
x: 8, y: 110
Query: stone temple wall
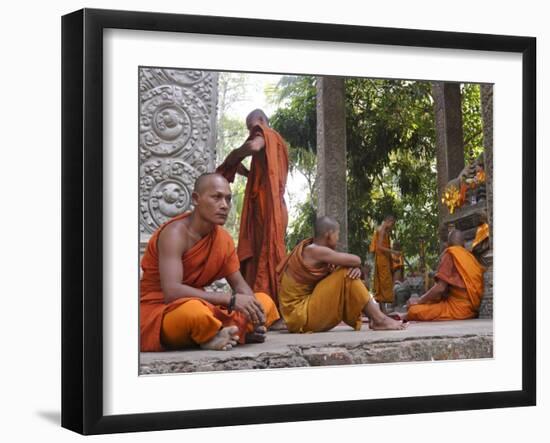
x: 177, y: 139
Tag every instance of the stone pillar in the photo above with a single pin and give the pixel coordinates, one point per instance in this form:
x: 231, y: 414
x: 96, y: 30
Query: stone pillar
x: 487, y: 116
x: 486, y: 308
x: 177, y: 138
x: 448, y: 135
x: 331, y: 153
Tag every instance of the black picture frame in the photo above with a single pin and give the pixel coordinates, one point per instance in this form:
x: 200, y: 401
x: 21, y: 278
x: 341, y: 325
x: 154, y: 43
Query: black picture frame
x: 82, y: 219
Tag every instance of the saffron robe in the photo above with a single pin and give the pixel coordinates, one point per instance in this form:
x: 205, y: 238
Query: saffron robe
x: 315, y: 299
x: 482, y: 233
x: 213, y: 257
x: 264, y: 215
x: 383, y: 277
x: 464, y: 276
x: 397, y: 262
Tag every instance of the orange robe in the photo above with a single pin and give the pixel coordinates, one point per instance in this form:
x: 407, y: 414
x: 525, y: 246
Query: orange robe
x: 464, y: 276
x: 482, y: 234
x: 397, y: 262
x: 264, y: 216
x: 383, y: 278
x: 316, y: 300
x: 211, y: 258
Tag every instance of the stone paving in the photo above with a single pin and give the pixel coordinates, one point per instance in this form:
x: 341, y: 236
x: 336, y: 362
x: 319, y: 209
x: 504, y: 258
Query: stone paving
x: 451, y: 340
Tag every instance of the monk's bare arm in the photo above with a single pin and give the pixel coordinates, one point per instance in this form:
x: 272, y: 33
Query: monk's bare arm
x: 380, y: 245
x: 171, y: 246
x: 434, y: 294
x: 238, y: 283
x: 326, y: 255
x: 245, y: 301
x: 249, y: 147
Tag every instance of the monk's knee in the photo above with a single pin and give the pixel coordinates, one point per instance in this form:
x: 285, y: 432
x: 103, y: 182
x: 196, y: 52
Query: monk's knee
x: 191, y: 322
x: 270, y: 309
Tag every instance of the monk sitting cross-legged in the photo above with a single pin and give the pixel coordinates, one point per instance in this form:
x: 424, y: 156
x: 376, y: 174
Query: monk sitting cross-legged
x: 320, y: 287
x: 457, y: 292
x: 183, y: 256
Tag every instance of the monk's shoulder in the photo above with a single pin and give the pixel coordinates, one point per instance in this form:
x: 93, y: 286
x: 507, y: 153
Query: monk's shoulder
x: 175, y: 236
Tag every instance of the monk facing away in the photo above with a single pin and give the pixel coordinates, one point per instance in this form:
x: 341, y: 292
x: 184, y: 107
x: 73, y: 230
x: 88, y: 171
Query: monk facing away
x: 383, y: 276
x: 264, y: 215
x: 458, y: 290
x: 320, y: 287
x: 183, y: 256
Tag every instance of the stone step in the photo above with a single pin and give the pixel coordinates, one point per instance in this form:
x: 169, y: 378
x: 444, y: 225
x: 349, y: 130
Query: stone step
x: 455, y: 340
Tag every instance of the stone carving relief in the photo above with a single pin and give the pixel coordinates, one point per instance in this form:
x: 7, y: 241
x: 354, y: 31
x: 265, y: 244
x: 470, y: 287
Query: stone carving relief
x: 177, y: 135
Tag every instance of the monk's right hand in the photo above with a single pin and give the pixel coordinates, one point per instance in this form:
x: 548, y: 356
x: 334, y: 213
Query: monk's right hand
x: 251, y: 307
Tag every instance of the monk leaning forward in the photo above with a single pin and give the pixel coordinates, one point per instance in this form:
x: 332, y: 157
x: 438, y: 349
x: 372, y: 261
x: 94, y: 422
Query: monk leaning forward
x: 458, y: 290
x: 183, y: 256
x: 316, y: 296
x: 264, y: 215
x: 383, y: 276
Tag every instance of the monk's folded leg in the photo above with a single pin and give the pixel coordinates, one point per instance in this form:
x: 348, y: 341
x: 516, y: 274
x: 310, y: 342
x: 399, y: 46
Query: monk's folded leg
x: 427, y: 312
x: 336, y: 298
x: 356, y: 298
x: 270, y: 310
x: 189, y: 324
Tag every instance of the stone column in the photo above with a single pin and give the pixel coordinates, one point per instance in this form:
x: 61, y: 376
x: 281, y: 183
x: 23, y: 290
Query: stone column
x: 486, y: 308
x: 331, y: 153
x: 487, y: 116
x: 177, y: 138
x: 448, y: 136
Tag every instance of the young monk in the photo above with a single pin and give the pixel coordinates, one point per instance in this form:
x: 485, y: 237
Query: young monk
x: 312, y: 298
x: 457, y: 292
x: 380, y: 245
x: 397, y: 263
x: 183, y: 256
x: 264, y: 215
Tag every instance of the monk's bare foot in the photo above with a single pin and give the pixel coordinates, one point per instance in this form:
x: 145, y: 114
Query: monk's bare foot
x: 279, y: 325
x: 386, y: 324
x: 257, y: 336
x: 224, y: 340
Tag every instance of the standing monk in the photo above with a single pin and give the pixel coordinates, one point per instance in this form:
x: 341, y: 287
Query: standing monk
x: 458, y: 290
x: 183, y: 256
x: 380, y: 245
x: 264, y: 217
x: 321, y: 287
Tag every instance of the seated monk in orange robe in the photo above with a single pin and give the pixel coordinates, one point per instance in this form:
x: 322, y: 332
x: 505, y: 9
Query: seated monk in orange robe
x: 183, y: 256
x: 458, y: 290
x: 380, y: 245
x: 315, y: 296
x: 264, y: 215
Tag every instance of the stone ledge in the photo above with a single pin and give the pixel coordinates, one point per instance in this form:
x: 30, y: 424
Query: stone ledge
x: 469, y: 339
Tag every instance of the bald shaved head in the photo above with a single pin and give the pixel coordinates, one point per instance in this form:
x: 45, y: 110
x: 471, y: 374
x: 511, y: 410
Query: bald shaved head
x: 456, y: 238
x: 206, y: 179
x: 255, y: 117
x: 324, y: 225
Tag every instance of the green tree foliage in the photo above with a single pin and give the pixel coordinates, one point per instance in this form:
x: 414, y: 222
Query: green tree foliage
x: 391, y: 157
x: 471, y: 121
x: 231, y: 133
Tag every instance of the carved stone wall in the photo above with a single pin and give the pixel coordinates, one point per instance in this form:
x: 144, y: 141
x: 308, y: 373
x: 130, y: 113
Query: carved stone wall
x: 331, y: 153
x: 177, y: 138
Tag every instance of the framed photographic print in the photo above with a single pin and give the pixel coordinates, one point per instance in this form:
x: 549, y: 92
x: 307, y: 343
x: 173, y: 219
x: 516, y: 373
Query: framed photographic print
x: 261, y: 217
